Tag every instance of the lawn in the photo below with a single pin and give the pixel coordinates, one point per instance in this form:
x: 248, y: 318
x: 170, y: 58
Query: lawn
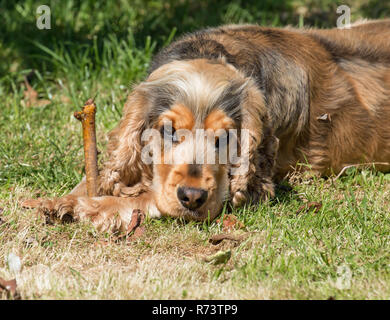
x: 338, y: 249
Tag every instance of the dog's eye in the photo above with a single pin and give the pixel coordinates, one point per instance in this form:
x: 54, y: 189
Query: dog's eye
x: 225, y: 141
x: 168, y: 133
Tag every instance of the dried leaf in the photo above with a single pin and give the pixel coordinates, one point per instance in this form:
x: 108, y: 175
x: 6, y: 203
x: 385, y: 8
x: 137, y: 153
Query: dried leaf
x: 218, y: 238
x: 134, y: 229
x: 31, y: 97
x: 316, y: 206
x: 138, y: 232
x: 230, y: 222
x: 135, y: 221
x: 10, y: 288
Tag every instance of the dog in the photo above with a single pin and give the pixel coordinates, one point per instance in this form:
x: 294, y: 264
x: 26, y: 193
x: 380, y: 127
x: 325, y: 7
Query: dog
x: 304, y: 96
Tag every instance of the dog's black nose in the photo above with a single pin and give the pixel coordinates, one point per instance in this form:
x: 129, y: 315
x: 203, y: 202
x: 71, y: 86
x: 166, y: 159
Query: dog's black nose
x: 191, y: 198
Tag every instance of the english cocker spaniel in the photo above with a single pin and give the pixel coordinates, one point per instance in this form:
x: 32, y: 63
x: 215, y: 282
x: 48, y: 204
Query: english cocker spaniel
x: 280, y: 96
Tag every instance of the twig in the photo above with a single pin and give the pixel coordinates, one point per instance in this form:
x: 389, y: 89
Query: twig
x: 360, y: 165
x: 87, y: 118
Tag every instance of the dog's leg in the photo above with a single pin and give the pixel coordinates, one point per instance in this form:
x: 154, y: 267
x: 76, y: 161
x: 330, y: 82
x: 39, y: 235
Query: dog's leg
x: 107, y: 213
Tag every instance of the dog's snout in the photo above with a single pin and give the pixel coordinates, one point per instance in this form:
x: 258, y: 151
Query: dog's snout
x: 191, y: 198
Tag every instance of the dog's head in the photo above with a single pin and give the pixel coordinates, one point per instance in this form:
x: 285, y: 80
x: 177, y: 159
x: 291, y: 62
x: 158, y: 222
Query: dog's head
x: 197, y: 125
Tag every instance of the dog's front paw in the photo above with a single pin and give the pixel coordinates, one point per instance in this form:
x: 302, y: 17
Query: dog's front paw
x: 267, y: 190
x: 264, y: 191
x: 239, y: 198
x: 62, y: 209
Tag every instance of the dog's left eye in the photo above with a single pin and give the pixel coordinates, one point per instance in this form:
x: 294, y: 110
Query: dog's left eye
x: 225, y: 142
x: 168, y: 133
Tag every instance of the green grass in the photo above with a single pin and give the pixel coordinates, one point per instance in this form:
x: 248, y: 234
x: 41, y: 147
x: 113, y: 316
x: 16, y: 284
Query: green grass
x: 286, y: 255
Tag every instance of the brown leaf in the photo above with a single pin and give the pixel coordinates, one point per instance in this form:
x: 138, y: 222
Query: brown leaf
x: 134, y: 229
x: 230, y: 222
x: 218, y: 238
x: 9, y: 287
x: 138, y: 232
x: 31, y: 97
x: 316, y: 206
x: 31, y: 203
x: 135, y: 221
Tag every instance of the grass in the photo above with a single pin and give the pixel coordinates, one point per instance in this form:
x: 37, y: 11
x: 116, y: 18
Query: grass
x: 285, y: 255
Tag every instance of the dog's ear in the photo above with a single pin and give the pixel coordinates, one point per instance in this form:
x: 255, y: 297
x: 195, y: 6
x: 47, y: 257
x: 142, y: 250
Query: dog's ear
x: 124, y: 173
x: 256, y: 182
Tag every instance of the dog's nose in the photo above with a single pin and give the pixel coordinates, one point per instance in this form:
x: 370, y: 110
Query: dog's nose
x: 191, y: 198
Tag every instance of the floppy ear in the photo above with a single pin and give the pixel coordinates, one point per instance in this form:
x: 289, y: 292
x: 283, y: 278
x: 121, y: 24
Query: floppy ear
x: 123, y: 173
x: 256, y: 182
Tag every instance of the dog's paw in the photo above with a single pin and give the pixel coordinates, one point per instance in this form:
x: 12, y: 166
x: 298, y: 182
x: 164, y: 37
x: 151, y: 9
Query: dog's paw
x: 62, y: 209
x: 239, y: 198
x: 267, y: 190
x: 264, y: 192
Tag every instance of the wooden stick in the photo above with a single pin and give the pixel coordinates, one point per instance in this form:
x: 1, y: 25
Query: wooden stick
x: 87, y: 118
x: 368, y: 164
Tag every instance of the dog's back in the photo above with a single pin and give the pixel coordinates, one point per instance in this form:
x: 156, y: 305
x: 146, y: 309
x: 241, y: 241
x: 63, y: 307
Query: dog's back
x: 327, y: 91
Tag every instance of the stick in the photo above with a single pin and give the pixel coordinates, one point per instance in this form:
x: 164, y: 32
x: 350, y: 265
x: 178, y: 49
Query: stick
x: 87, y: 118
x: 368, y: 164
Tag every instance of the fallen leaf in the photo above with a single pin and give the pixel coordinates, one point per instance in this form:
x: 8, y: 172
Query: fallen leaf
x: 219, y: 257
x: 10, y: 288
x: 31, y: 203
x: 218, y: 238
x: 230, y: 222
x: 138, y: 232
x: 31, y: 97
x: 316, y: 206
x: 134, y: 229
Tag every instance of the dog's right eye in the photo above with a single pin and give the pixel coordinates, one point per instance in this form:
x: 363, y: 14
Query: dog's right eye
x: 168, y: 133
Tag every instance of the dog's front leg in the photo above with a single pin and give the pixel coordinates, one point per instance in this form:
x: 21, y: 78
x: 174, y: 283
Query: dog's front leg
x: 107, y: 213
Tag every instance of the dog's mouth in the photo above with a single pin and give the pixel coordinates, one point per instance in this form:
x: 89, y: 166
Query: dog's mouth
x: 200, y: 214
x: 193, y: 214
